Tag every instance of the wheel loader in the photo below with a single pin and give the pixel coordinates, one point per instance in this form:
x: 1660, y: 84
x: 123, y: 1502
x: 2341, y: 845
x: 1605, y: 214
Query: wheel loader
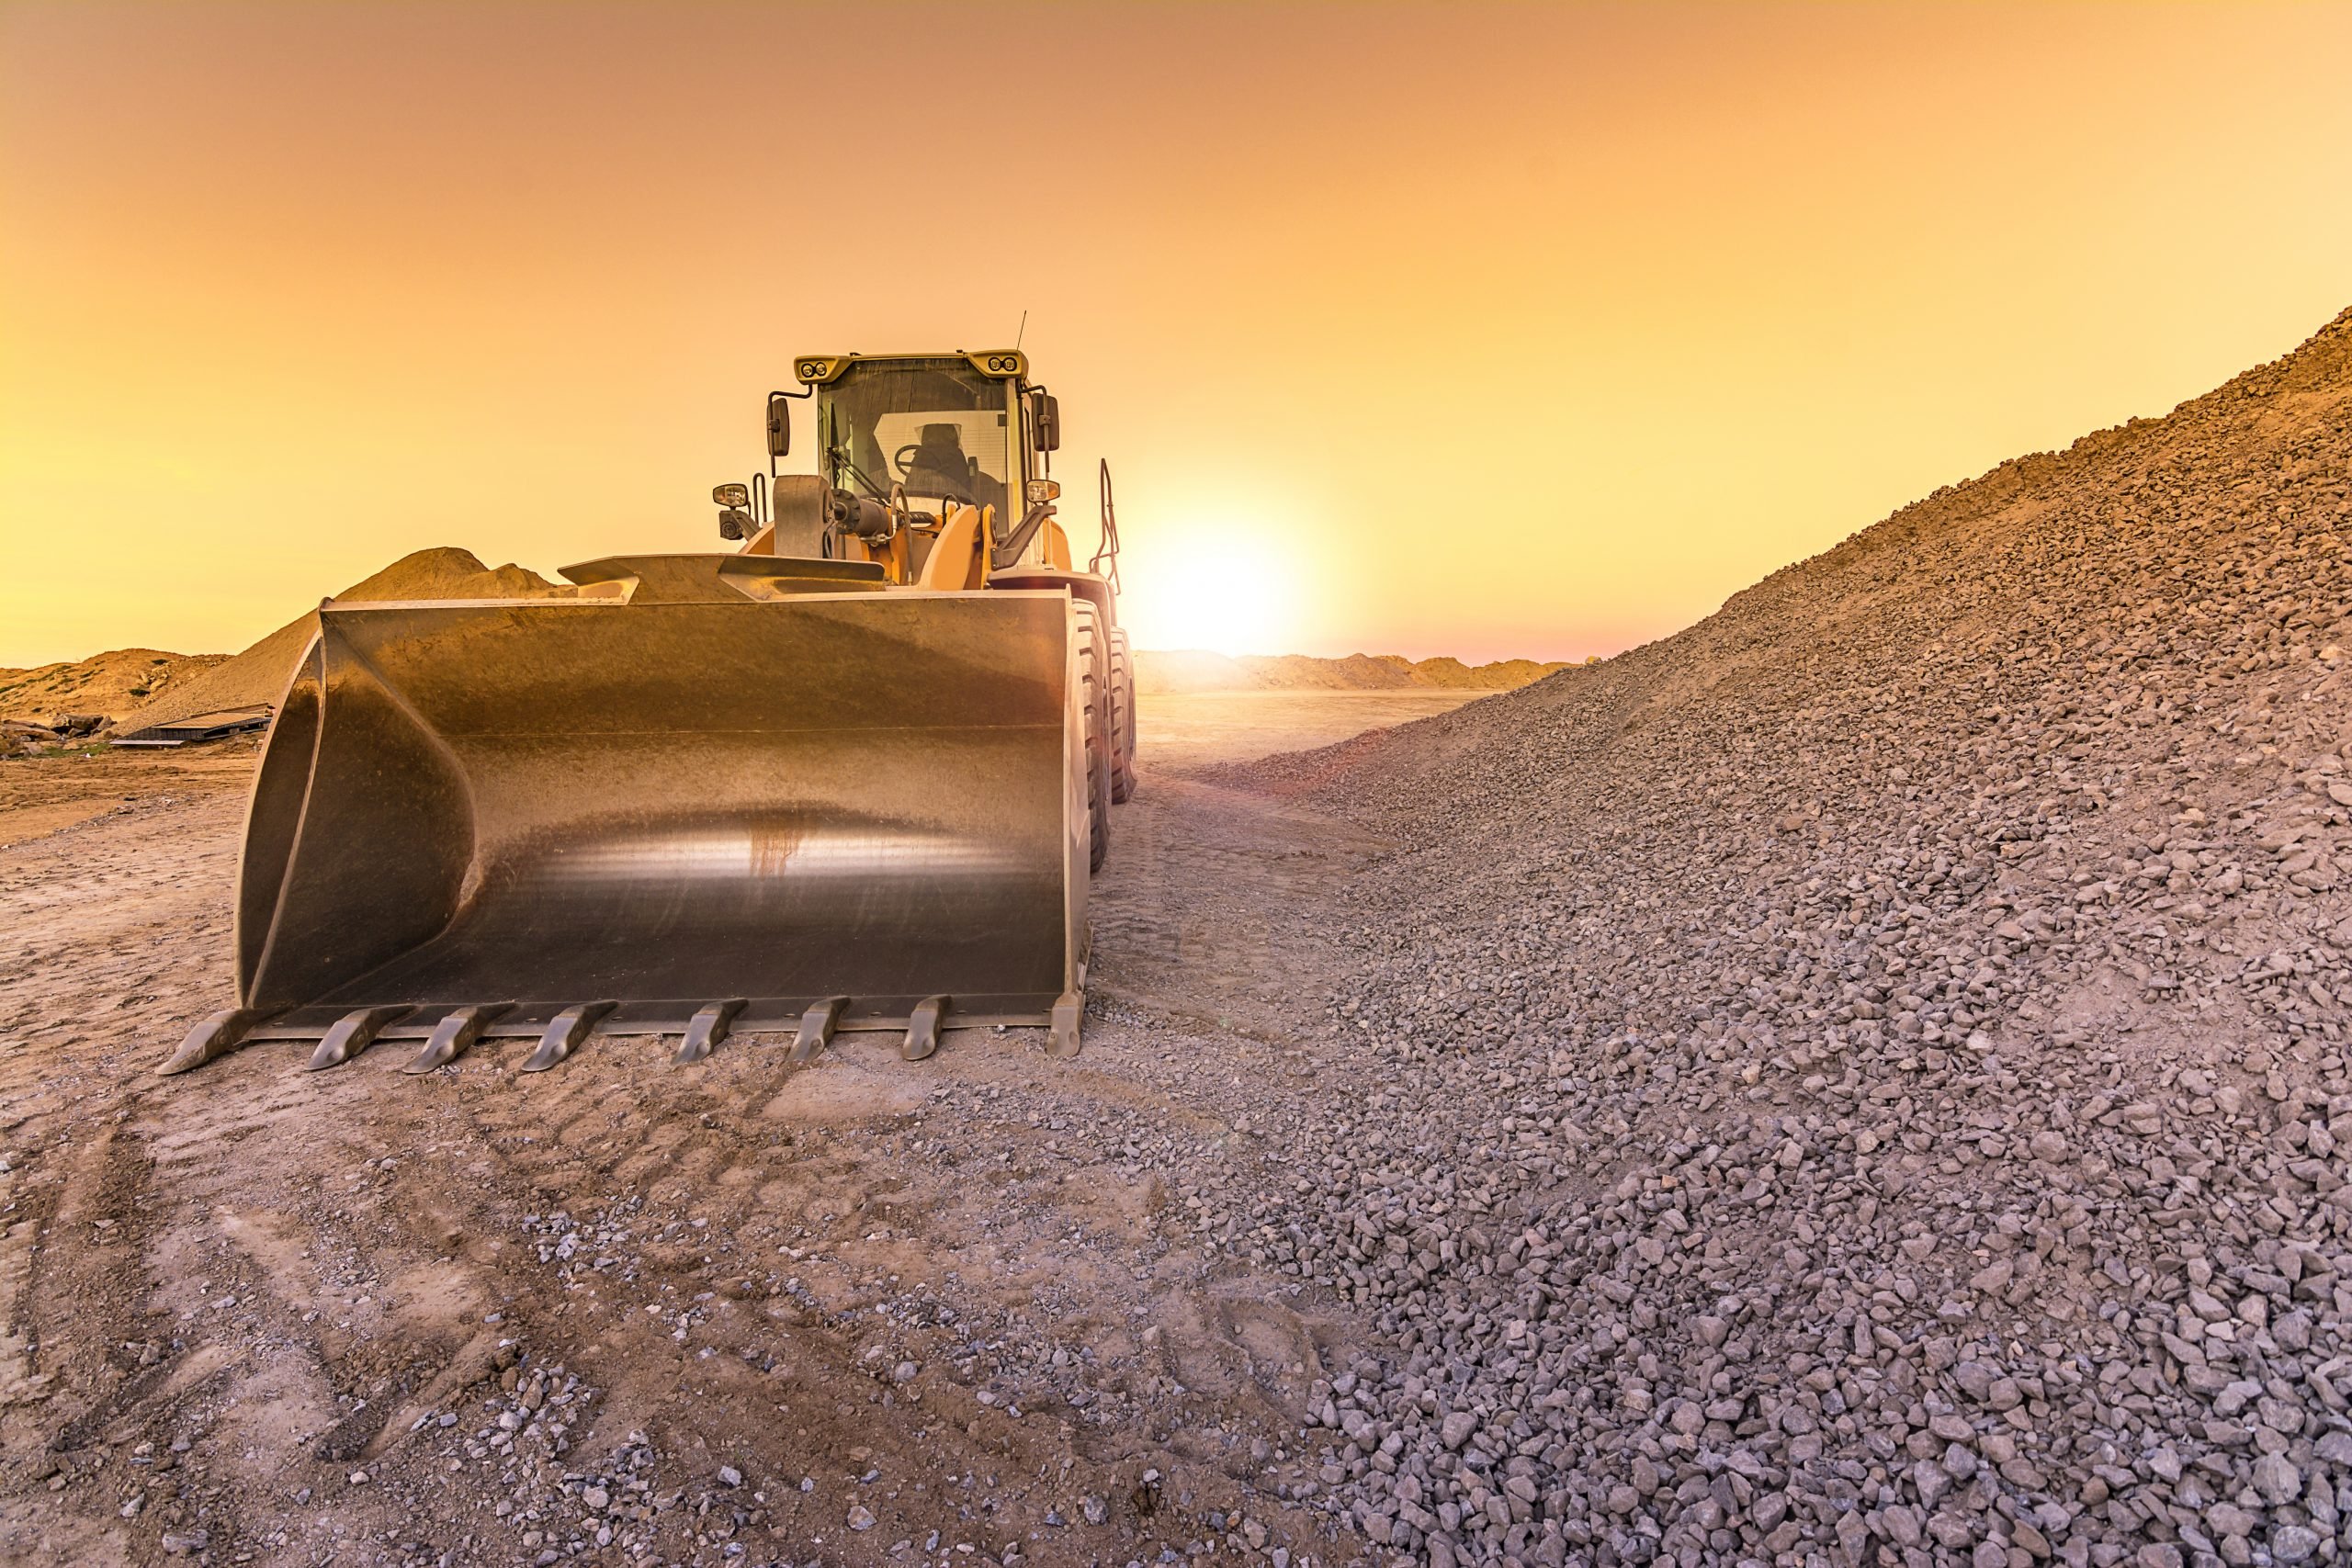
x: 853, y: 776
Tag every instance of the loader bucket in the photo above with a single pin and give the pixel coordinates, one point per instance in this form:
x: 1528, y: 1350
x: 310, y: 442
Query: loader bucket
x: 560, y: 818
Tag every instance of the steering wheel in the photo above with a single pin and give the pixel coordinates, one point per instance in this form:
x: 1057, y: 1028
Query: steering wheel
x: 953, y: 487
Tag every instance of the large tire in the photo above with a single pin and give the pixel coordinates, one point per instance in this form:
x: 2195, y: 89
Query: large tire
x: 1123, y: 719
x: 1093, y: 673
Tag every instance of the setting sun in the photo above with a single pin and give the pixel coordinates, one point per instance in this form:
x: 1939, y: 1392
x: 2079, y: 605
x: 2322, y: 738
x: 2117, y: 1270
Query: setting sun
x: 1221, y: 588
x: 1536, y: 330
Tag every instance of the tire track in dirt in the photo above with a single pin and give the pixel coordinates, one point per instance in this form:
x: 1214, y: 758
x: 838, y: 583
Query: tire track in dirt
x: 1210, y: 912
x: 969, y: 1278
x: 19, y: 1383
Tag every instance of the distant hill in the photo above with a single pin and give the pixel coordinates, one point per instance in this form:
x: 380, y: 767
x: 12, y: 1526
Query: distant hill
x: 110, y: 685
x: 138, y: 687
x: 1193, y: 669
x: 259, y: 674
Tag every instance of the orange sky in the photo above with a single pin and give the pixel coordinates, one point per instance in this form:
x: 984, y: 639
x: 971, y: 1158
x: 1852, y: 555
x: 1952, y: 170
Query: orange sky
x: 1484, y: 330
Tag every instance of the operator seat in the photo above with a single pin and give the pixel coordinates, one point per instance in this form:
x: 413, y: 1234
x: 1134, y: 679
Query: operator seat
x: 939, y: 466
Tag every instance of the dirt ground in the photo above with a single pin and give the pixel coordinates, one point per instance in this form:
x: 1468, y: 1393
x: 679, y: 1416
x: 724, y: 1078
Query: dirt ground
x: 865, y: 1311
x: 1188, y: 729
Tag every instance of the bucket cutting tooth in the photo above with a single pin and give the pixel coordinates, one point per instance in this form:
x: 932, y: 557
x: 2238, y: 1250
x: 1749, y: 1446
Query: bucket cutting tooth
x: 456, y: 1034
x: 215, y: 1037
x: 817, y: 1026
x: 922, y: 1028
x: 564, y: 1033
x: 707, y: 1028
x: 1061, y: 1036
x: 352, y: 1033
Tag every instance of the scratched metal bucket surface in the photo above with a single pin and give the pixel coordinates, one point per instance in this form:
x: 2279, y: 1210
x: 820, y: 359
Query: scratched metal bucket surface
x: 859, y: 800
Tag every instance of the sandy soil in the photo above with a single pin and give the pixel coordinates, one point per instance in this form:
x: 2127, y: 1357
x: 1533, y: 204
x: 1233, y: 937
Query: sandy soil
x: 1188, y: 729
x: 864, y: 1310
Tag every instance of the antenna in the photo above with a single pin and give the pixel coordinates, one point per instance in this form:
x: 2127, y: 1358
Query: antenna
x: 1022, y: 333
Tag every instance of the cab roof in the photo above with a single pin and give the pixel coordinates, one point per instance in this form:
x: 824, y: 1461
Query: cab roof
x: 1005, y: 363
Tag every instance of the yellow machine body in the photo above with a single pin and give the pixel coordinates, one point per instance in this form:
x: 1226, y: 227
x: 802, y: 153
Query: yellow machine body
x: 855, y: 788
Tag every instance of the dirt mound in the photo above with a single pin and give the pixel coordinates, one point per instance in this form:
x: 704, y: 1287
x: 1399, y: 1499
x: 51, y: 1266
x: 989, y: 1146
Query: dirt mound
x: 1193, y: 669
x: 259, y: 674
x: 111, y: 684
x: 1866, y: 1076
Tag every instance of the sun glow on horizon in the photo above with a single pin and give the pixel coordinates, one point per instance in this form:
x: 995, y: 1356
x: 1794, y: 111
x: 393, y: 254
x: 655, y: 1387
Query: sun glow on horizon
x: 1485, y: 330
x: 1220, y: 589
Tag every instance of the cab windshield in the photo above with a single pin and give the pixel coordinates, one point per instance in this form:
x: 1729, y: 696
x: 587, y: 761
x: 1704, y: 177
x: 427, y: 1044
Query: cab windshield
x: 934, y: 426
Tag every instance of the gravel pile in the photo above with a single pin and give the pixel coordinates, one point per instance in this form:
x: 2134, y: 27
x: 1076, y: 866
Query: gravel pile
x: 1863, y: 1080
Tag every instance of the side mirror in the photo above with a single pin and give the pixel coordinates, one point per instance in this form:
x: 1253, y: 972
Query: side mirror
x: 779, y: 426
x: 1045, y: 420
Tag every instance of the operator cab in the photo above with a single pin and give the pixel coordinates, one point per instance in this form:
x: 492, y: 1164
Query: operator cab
x: 933, y: 469
x: 938, y: 429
